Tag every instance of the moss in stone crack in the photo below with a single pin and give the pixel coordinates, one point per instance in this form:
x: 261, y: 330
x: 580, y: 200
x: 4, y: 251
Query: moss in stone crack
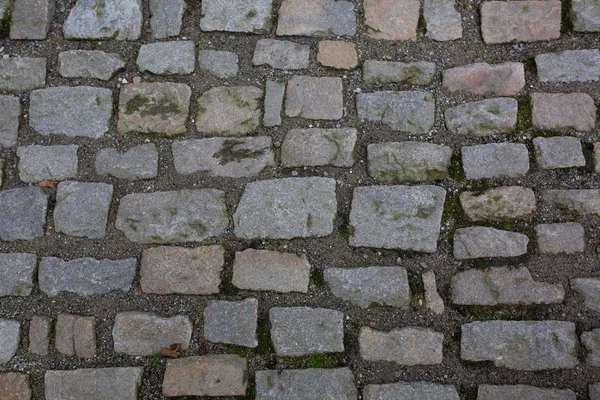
x: 344, y: 229
x: 229, y: 153
x: 327, y: 360
x: 529, y: 64
x: 453, y: 211
x: 241, y: 350
x: 455, y: 169
x: 5, y: 25
x: 566, y: 18
x: 318, y: 277
x: 523, y: 113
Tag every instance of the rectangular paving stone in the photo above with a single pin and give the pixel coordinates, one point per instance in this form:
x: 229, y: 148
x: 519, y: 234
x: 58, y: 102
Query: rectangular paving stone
x: 299, y: 331
x: 222, y: 64
x: 506, y: 79
x: 563, y: 111
x: 485, y: 242
x: 232, y: 322
x: 483, y: 118
x: 337, y: 54
x: 154, y: 108
x: 585, y: 15
x: 214, y: 375
x: 520, y: 21
x: 166, y: 17
x: 322, y: 18
x: 167, y: 58
x: 442, y: 20
x: 397, y: 217
x: 410, y: 112
x: 10, y: 111
x: 560, y: 238
x: 94, y: 64
x: 589, y: 289
x: 410, y: 391
x: 403, y: 346
x: 22, y: 213
x: 31, y: 19
x: 85, y: 276
x: 499, y: 204
x: 314, y: 97
x: 319, y: 147
x: 100, y: 383
x: 16, y: 273
x: 370, y: 287
x: 267, y: 270
x: 167, y: 270
x: 521, y: 345
x: 495, y: 160
x: 252, y: 16
x: 281, y: 54
x: 384, y: 72
x: 14, y: 386
x: 392, y: 19
x: 274, y: 93
x: 569, y: 65
x: 76, y: 335
x: 306, y: 384
x: 501, y: 285
x: 144, y: 334
x: 229, y: 110
x: 591, y: 342
x: 55, y: 163
x: 105, y: 19
x: 558, y: 152
x: 71, y: 111
x: 39, y: 335
x: 22, y: 73
x: 522, y: 392
x: 232, y: 158
x: 10, y: 336
x: 582, y: 202
x: 137, y: 163
x: 82, y: 208
x: 286, y: 208
x: 400, y: 162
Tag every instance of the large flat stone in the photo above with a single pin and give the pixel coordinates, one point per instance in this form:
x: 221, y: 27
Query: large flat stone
x: 397, y: 217
x: 281, y: 54
x: 14, y: 386
x: 384, y: 72
x: 55, y: 163
x: 410, y: 112
x: 229, y: 110
x: 319, y: 147
x: 10, y: 335
x: 563, y: 111
x: 569, y: 65
x: 392, y: 19
x: 483, y: 118
x: 442, y: 19
x: 89, y: 64
x: 22, y: 73
x: 495, y: 160
x: 404, y: 346
x: 314, y: 97
x: 410, y: 391
x: 585, y: 15
x: 166, y: 17
x: 231, y: 322
x: 589, y: 289
x: 252, y: 16
x: 16, y: 273
x: 306, y: 384
x: 497, y: 204
x: 582, y: 201
x: 171, y: 217
x: 100, y: 383
x: 10, y: 112
x: 22, y: 213
x: 167, y: 58
x: 522, y: 392
x: 484, y: 242
x: 505, y: 79
x: 31, y: 19
x: 105, y: 19
x: 316, y: 18
x: 137, y: 163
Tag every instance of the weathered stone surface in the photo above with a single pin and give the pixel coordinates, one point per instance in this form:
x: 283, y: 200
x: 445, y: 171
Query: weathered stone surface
x: 286, y: 208
x: 563, y: 111
x: 505, y: 79
x: 14, y: 386
x: 433, y: 300
x: 566, y: 238
x: 384, y: 72
x: 522, y: 392
x: 281, y: 54
x: 591, y: 342
x: 483, y: 118
x: 4, y: 6
x: 22, y: 73
x: 320, y: 18
x: 521, y: 345
x: 143, y: 334
x: 76, y: 335
x: 404, y: 346
x: 31, y: 19
x: 314, y: 97
x: 167, y: 270
x: 10, y: 111
x: 306, y: 384
x: 10, y: 335
x: 495, y: 160
x: 231, y: 322
x: 82, y: 208
x: 497, y: 204
x: 215, y: 375
x: 337, y: 54
x: 410, y: 391
x: 585, y: 15
x: 569, y: 65
x: 72, y: 111
x: 104, y: 19
x: 85, y: 276
x: 371, y: 286
x: 222, y: 64
x: 253, y: 16
x: 392, y: 19
x: 167, y: 58
x: 411, y: 112
x: 299, y: 331
x: 271, y: 270
x: 89, y: 64
x: 233, y: 158
x: 594, y: 391
x: 154, y: 108
x: 442, y: 20
x: 22, y: 213
x: 171, y: 217
x: 397, y: 217
x: 229, y: 110
x: 520, y: 21
x: 274, y: 93
x: 16, y: 273
x: 56, y: 163
x: 166, y: 17
x: 39, y: 335
x: 502, y: 285
x: 100, y: 383
x: 318, y: 147
x: 483, y: 242
x: 582, y: 202
x: 140, y: 162
x: 589, y: 289
x: 408, y: 161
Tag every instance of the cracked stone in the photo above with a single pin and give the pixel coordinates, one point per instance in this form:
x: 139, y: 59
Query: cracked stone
x: 483, y: 118
x: 104, y: 19
x: 410, y: 112
x: 403, y: 346
x: 497, y: 204
x: 137, y: 163
x: 315, y: 97
x: 227, y: 111
x: 485, y: 242
x: 89, y: 64
x: 55, y: 163
x: 318, y: 147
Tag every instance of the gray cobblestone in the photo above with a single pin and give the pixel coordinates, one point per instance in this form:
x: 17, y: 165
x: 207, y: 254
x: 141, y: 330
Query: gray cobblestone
x: 591, y: 342
x: 585, y: 16
x: 405, y: 346
x: 101, y: 383
x: 410, y: 391
x: 495, y: 160
x: 274, y: 94
x: 140, y: 162
x: 483, y: 118
x: 306, y: 384
x: 589, y: 290
x: 10, y: 335
x: 229, y: 111
x: 39, y: 335
x: 56, y: 163
x: 281, y: 54
x: 582, y: 202
x: 566, y: 238
x: 569, y: 65
x: 563, y: 111
x: 253, y: 16
x: 411, y: 112
x: 442, y: 20
x: 76, y: 335
x: 222, y: 64
x: 484, y: 242
x: 31, y: 19
x: 166, y: 17
x: 105, y: 19
x: 167, y: 58
x: 523, y: 392
x: 558, y: 152
x: 89, y: 64
x: 505, y: 79
x: 22, y: 73
x: 22, y: 213
x: 308, y: 18
x: 10, y: 111
x: 314, y: 98
x: 498, y: 204
x: 319, y: 147
x: 232, y: 322
x: 16, y: 273
x: 384, y: 72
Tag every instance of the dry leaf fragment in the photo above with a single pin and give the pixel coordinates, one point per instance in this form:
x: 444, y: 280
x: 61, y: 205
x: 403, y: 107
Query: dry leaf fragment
x: 47, y: 184
x: 173, y: 351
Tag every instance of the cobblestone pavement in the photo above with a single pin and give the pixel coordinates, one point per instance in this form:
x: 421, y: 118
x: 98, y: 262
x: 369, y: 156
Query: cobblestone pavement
x: 299, y: 199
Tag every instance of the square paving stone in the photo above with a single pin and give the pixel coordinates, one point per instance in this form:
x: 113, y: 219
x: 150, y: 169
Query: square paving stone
x: 89, y: 64
x: 337, y: 54
x: 411, y: 112
x: 483, y: 118
x: 14, y: 386
x: 82, y: 209
x: 16, y: 273
x: 55, y: 163
x: 154, y: 108
x: 166, y: 17
x: 442, y: 19
x: 392, y: 19
x: 105, y: 19
x: 10, y: 111
x: 100, y: 383
x: 31, y: 19
x: 306, y: 384
x: 231, y: 322
x: 22, y: 73
x: 222, y: 64
x: 167, y: 58
x: 10, y: 335
x: 316, y: 18
x: 315, y: 98
x: 253, y: 16
x: 558, y: 152
x: 22, y: 213
x: 229, y: 111
x: 397, y: 217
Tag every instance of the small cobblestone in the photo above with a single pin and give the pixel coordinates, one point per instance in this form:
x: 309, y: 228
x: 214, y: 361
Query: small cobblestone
x: 252, y: 16
x: 498, y: 204
x: 384, y: 72
x: 166, y: 17
x: 167, y: 58
x: 22, y: 213
x: 558, y: 152
x: 485, y: 242
x: 222, y: 64
x: 274, y: 94
x: 591, y: 342
x: 100, y: 383
x: 39, y: 335
x: 16, y: 273
x: 483, y: 118
x: 495, y: 160
x: 560, y: 238
x: 392, y: 19
x: 31, y: 19
x: 410, y: 390
x: 585, y: 16
x: 89, y: 64
x: 10, y: 111
x: 582, y: 202
x: 10, y: 336
x: 569, y: 66
x: 442, y: 20
x: 314, y: 98
x: 14, y: 386
x: 337, y: 54
x: 22, y: 73
x: 404, y: 346
x: 563, y: 111
x: 589, y: 290
x: 137, y: 163
x: 322, y: 18
x: 56, y: 163
x: 433, y: 300
x: 505, y: 79
x: 410, y: 112
x: 229, y: 111
x: 105, y: 19
x: 523, y: 392
x: 281, y: 54
x: 306, y: 384
x: 232, y: 322
x: 319, y: 147
x: 76, y: 335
